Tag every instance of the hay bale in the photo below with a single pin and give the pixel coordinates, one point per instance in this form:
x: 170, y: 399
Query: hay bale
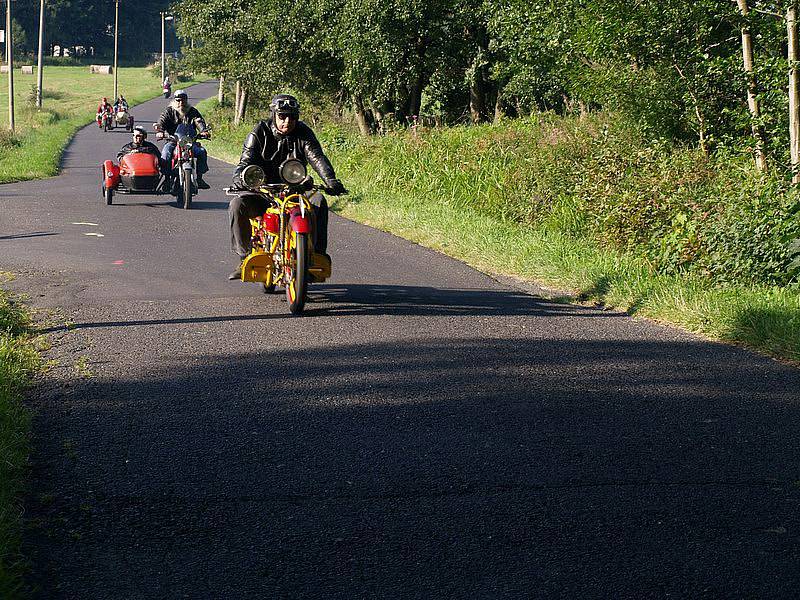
x: 100, y: 69
x: 27, y: 70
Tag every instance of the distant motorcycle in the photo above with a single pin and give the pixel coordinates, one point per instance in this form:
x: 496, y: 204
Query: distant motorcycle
x: 167, y: 89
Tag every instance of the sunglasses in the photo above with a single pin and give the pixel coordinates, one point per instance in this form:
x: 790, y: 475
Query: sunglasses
x: 285, y: 117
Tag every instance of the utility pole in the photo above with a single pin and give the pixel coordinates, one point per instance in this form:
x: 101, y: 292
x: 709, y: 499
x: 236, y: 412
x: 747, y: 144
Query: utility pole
x: 164, y: 19
x: 116, y: 46
x: 10, y: 50
x: 163, y: 65
x: 39, y: 90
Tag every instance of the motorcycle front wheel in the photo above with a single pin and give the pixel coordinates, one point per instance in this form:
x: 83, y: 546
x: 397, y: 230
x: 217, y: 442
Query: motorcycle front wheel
x: 109, y: 195
x: 295, y: 271
x: 187, y: 193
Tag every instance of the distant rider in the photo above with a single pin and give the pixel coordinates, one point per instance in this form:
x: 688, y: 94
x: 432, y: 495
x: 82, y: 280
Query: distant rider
x: 103, y: 108
x: 121, y: 104
x: 139, y: 144
x: 268, y: 145
x: 179, y: 112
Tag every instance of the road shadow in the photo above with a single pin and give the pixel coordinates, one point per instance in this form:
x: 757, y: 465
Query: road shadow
x: 19, y: 236
x: 565, y: 469
x: 387, y: 300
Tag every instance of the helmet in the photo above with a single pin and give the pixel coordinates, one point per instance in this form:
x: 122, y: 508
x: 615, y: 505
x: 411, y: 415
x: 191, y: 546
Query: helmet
x: 141, y: 130
x: 284, y: 104
x: 181, y: 94
x: 105, y: 99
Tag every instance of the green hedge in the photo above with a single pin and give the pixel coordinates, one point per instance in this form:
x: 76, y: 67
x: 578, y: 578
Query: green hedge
x: 597, y: 178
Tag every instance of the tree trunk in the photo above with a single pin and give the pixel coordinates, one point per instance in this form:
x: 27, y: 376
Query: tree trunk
x: 477, y: 100
x: 238, y: 99
x: 794, y: 90
x: 361, y: 116
x: 221, y: 91
x: 241, y: 109
x: 499, y: 113
x: 752, y: 101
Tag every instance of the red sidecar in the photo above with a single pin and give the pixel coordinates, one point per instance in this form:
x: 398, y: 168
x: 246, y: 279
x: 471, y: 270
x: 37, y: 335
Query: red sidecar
x: 137, y: 173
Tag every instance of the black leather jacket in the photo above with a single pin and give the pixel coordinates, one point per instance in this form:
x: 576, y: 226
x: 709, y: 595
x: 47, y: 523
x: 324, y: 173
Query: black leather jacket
x: 268, y: 148
x: 146, y: 147
x: 171, y: 118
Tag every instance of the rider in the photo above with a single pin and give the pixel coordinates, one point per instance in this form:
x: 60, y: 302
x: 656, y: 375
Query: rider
x: 180, y: 113
x: 102, y: 108
x: 120, y: 104
x: 268, y: 145
x: 139, y: 144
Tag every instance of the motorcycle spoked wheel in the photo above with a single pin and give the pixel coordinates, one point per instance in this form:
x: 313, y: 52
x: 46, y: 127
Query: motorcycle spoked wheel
x: 295, y: 273
x: 108, y: 194
x: 186, y: 193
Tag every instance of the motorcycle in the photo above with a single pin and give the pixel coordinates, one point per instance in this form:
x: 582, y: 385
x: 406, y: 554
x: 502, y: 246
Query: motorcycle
x: 137, y: 173
x: 184, y: 163
x: 282, y: 245
x: 167, y: 89
x: 104, y: 120
x: 123, y: 118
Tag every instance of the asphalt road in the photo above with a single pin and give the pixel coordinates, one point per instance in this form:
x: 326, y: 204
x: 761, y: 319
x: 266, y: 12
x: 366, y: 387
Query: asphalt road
x: 424, y: 431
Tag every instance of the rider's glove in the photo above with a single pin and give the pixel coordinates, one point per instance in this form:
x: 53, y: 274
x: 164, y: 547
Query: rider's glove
x: 335, y: 187
x: 307, y: 183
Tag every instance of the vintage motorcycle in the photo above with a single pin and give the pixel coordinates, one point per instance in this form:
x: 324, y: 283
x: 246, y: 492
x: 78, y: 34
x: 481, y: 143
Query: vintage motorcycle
x: 282, y: 244
x: 137, y: 173
x: 123, y: 118
x: 184, y: 163
x: 106, y: 120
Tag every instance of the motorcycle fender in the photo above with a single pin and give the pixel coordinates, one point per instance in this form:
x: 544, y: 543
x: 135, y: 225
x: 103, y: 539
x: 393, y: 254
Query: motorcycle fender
x: 187, y: 166
x: 110, y: 175
x: 299, y: 223
x: 257, y: 267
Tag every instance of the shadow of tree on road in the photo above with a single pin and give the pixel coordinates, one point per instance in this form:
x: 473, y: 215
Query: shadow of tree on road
x: 560, y: 468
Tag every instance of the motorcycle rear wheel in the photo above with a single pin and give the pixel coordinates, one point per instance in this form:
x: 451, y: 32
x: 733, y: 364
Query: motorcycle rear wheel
x: 295, y: 272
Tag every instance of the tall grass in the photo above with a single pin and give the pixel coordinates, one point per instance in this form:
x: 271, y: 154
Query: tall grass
x: 18, y: 360
x: 589, y: 207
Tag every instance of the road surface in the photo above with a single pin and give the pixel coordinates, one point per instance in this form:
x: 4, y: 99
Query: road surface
x: 424, y: 431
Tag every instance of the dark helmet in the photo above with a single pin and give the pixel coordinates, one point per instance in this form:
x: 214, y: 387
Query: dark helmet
x: 284, y: 104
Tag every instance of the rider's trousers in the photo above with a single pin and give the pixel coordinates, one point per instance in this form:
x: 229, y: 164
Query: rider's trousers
x: 199, y: 152
x: 247, y: 206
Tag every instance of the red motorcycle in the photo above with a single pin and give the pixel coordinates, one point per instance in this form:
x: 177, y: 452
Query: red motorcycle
x: 184, y: 164
x: 137, y: 173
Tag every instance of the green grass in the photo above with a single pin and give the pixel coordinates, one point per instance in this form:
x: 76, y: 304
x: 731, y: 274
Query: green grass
x: 431, y: 190
x: 71, y: 95
x: 18, y: 361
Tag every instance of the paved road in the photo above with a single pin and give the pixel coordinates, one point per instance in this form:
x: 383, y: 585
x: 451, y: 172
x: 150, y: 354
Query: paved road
x: 423, y: 432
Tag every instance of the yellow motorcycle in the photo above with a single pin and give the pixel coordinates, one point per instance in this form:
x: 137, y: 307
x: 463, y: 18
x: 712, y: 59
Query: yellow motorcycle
x: 282, y: 244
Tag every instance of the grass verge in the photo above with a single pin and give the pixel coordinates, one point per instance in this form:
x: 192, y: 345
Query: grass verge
x: 71, y: 95
x: 762, y: 317
x: 18, y: 362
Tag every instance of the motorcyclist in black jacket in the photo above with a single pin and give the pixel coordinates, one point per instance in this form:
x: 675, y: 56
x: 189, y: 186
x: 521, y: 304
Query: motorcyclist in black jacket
x: 268, y: 145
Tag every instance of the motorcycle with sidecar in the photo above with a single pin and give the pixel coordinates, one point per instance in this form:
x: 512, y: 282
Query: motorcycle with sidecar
x: 136, y: 173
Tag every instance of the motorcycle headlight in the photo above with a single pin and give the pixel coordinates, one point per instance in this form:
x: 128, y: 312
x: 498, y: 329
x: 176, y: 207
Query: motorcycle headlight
x: 185, y: 141
x: 252, y: 176
x: 293, y: 171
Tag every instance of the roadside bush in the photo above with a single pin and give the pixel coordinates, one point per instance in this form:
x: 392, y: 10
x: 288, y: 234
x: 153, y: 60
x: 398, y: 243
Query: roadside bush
x: 601, y: 178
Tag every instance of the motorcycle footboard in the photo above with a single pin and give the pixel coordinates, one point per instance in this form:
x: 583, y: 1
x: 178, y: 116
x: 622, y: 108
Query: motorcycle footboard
x: 320, y: 268
x: 257, y: 267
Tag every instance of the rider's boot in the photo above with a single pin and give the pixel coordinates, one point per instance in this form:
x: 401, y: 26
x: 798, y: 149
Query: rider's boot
x: 201, y: 183
x: 237, y: 273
